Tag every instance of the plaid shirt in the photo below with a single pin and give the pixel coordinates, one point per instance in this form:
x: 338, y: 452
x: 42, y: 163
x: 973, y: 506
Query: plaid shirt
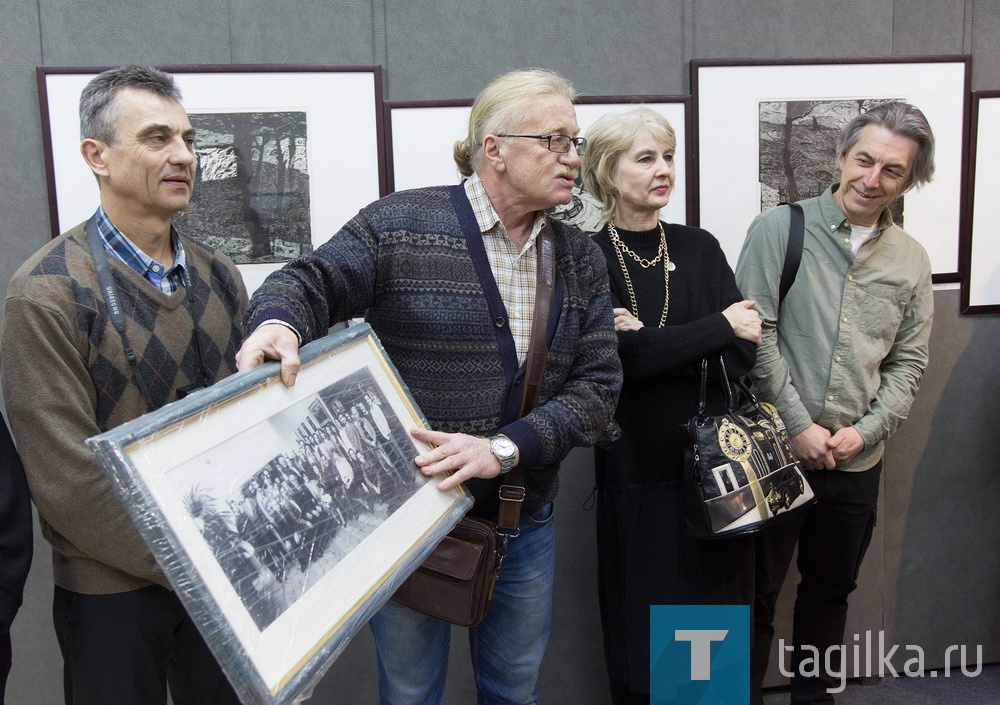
x: 515, y: 271
x: 166, y: 280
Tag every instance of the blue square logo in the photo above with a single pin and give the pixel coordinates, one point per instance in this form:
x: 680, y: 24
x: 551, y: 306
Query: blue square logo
x: 699, y: 654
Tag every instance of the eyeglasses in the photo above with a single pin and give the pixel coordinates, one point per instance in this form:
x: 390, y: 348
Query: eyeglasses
x: 558, y: 143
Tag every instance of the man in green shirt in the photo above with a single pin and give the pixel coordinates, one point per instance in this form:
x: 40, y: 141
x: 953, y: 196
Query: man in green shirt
x: 842, y: 364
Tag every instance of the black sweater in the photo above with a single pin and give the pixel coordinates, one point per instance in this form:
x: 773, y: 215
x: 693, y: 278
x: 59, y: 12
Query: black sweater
x: 662, y: 366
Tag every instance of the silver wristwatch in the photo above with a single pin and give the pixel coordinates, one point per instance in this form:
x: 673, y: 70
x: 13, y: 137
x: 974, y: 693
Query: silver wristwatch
x: 505, y: 451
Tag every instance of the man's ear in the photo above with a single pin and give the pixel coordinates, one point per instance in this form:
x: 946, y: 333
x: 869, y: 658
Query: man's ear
x: 491, y: 152
x: 93, y: 153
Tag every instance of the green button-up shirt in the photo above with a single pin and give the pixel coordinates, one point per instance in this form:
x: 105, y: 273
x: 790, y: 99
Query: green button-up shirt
x: 851, y: 343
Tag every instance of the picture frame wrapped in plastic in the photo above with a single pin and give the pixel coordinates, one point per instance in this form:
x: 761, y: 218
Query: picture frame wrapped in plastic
x: 284, y: 517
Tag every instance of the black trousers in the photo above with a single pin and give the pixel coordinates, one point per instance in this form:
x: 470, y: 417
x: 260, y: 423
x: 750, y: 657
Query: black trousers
x: 125, y: 648
x: 833, y: 536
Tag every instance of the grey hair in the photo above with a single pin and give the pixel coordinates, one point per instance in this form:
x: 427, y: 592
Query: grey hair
x: 499, y: 108
x: 608, y: 139
x: 98, y: 113
x: 900, y: 119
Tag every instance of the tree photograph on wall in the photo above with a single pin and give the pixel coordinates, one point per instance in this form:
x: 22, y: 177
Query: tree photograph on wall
x: 251, y: 197
x: 798, y: 147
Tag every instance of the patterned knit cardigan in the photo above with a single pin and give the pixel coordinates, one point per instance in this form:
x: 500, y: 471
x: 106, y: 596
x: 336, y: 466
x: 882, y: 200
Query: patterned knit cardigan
x: 415, y: 265
x: 66, y: 378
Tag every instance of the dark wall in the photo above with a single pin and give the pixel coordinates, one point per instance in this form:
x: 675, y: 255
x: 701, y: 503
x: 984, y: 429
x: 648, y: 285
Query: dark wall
x: 932, y: 576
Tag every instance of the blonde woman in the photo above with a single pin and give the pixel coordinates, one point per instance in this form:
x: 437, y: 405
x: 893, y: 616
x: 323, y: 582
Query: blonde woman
x: 675, y: 302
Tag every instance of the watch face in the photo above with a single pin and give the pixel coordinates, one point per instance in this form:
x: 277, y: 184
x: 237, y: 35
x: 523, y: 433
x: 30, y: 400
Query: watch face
x: 502, y: 447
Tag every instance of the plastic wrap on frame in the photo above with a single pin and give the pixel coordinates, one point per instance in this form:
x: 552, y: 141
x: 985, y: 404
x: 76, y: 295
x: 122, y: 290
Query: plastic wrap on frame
x: 279, y: 540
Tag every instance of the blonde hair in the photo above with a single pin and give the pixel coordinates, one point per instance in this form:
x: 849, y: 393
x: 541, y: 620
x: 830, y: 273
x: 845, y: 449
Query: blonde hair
x: 499, y: 108
x: 610, y: 137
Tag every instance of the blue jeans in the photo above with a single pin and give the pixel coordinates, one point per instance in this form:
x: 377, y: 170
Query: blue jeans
x: 506, y: 647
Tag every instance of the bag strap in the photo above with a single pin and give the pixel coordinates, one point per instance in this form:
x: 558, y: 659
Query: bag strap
x: 538, y: 349
x: 724, y: 379
x: 512, y: 487
x: 793, y: 255
x: 752, y: 398
x: 113, y: 303
x: 793, y: 250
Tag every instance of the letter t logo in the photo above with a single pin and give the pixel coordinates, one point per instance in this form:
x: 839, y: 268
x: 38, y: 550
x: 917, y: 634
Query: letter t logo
x: 699, y: 654
x: 701, y: 649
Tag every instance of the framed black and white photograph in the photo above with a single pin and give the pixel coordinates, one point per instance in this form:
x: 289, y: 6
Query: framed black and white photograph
x: 286, y: 155
x: 981, y: 239
x: 767, y: 132
x: 421, y: 136
x: 284, y: 517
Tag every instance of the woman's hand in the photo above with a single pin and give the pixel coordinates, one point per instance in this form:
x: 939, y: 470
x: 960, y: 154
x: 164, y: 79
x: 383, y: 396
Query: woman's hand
x: 744, y: 320
x: 624, y: 320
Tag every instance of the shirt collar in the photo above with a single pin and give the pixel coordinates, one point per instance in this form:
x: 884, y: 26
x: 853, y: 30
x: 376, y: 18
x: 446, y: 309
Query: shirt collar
x: 835, y: 216
x: 486, y: 215
x: 117, y: 244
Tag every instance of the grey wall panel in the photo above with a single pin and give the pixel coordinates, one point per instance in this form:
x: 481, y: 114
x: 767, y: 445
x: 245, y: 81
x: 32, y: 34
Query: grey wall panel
x: 768, y: 29
x: 985, y: 45
x: 921, y: 27
x: 36, y: 674
x: 452, y: 49
x: 573, y: 669
x: 124, y: 31
x: 24, y: 214
x: 302, y: 32
x: 23, y: 209
x: 943, y: 585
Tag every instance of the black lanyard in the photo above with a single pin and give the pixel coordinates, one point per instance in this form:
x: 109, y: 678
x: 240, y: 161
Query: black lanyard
x: 113, y: 303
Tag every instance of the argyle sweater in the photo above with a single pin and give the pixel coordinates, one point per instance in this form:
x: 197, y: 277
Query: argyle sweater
x: 66, y: 378
x: 414, y: 263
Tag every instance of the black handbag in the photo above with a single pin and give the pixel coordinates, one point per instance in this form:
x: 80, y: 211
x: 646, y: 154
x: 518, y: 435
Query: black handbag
x: 740, y: 472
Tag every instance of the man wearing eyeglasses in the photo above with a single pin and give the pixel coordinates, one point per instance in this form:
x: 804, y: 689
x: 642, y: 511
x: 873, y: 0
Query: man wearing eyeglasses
x: 447, y: 279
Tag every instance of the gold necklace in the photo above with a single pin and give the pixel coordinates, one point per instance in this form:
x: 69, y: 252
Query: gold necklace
x: 644, y: 263
x: 621, y: 247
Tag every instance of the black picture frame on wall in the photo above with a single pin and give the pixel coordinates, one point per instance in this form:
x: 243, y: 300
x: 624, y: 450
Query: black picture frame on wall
x: 280, y: 540
x: 735, y: 103
x: 421, y: 136
x: 287, y: 154
x: 980, y: 243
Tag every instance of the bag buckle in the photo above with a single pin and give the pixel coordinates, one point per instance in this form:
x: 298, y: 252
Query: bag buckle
x: 512, y: 493
x: 507, y: 534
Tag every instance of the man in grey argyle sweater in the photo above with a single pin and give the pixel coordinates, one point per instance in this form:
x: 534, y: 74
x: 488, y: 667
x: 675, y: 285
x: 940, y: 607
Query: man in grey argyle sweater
x: 123, y: 633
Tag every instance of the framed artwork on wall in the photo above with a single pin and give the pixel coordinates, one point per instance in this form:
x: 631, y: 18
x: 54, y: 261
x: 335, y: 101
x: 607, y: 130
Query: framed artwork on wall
x: 421, y: 136
x: 980, y: 238
x: 284, y: 517
x: 286, y: 155
x: 766, y: 132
